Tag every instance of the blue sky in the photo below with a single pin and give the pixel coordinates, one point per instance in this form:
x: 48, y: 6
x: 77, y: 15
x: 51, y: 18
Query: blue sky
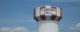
x: 19, y: 14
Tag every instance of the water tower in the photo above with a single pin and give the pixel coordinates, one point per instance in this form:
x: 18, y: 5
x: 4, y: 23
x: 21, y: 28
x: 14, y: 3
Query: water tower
x: 47, y: 18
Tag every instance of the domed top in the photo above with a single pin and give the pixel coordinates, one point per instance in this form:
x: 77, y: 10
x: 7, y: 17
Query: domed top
x: 47, y: 13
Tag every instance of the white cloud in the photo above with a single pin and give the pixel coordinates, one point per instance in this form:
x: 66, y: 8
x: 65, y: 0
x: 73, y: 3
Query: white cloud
x: 16, y: 29
x: 76, y: 27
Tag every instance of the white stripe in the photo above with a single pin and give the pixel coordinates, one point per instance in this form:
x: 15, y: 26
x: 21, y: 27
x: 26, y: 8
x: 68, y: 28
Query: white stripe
x: 38, y: 11
x: 58, y: 12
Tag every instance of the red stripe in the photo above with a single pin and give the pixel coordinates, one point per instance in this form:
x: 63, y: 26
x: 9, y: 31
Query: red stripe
x: 61, y: 12
x: 34, y: 12
x: 43, y: 17
x: 35, y: 17
x: 53, y: 7
x: 53, y: 17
